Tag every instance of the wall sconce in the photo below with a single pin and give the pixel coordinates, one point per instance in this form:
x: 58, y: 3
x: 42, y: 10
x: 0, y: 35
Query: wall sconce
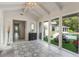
x: 32, y: 27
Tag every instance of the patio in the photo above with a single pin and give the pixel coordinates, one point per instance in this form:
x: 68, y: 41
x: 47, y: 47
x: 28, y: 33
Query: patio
x: 34, y: 48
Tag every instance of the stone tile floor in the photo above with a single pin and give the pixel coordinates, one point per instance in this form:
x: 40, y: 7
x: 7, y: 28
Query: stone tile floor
x: 29, y: 49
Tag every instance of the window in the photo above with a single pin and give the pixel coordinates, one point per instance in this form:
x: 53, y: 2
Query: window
x: 45, y: 32
x: 54, y: 39
x: 70, y: 33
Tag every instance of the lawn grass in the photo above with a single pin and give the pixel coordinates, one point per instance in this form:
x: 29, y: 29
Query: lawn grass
x: 68, y: 46
x: 54, y: 42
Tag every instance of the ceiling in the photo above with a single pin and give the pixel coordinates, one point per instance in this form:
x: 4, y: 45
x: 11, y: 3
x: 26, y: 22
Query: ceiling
x: 41, y: 9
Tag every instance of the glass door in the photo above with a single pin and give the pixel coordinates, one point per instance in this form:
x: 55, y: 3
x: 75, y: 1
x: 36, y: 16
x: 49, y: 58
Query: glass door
x: 70, y: 33
x: 16, y: 32
x: 40, y: 30
x: 54, y: 39
x: 45, y: 32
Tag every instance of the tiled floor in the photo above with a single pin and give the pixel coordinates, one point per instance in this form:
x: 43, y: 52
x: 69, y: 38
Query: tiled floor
x: 29, y: 49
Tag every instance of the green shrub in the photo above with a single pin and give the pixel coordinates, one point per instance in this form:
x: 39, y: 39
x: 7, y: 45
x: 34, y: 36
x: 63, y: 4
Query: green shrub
x: 70, y: 30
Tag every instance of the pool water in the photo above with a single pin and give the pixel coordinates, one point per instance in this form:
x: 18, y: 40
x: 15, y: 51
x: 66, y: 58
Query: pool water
x: 71, y: 36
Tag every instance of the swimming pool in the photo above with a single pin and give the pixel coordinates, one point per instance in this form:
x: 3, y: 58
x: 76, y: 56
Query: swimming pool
x: 71, y: 36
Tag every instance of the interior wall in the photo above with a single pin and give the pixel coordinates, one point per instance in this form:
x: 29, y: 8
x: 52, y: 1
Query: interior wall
x: 9, y: 16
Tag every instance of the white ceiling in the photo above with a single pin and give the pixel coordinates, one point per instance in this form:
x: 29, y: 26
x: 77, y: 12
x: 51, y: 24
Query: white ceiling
x: 43, y: 8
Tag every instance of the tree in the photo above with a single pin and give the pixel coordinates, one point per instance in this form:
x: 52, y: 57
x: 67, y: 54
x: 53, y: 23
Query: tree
x: 74, y: 23
x: 71, y: 22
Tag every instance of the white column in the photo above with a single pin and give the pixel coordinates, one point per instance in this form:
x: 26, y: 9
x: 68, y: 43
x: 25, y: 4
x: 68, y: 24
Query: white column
x: 37, y: 30
x: 49, y: 24
x: 42, y: 31
x: 60, y: 31
x: 1, y: 28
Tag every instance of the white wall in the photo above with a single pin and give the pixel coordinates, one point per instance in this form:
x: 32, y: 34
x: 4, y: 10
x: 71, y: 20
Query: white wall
x: 9, y: 16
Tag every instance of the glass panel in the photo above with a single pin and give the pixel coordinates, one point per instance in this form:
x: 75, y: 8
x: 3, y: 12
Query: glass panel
x: 16, y: 32
x: 45, y: 33
x: 40, y: 30
x: 16, y: 36
x: 54, y: 31
x: 16, y: 28
x: 70, y: 33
